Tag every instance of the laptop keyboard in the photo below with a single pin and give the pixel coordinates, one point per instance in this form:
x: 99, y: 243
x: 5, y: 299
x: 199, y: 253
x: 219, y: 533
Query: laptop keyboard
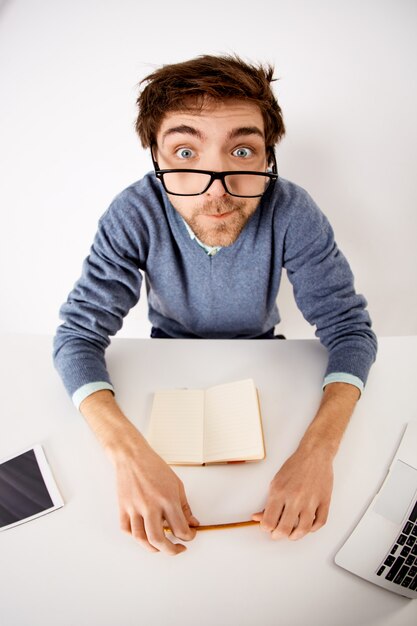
x: 400, y: 566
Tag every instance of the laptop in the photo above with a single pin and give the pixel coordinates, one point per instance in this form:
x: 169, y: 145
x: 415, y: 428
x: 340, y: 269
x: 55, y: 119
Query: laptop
x: 383, y: 546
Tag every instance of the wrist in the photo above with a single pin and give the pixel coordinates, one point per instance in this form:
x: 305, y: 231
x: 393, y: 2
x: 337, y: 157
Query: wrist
x: 115, y: 432
x: 314, y: 444
x: 342, y: 392
x: 129, y: 446
x: 325, y: 432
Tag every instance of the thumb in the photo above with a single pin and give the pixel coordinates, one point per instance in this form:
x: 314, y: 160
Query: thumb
x: 257, y: 517
x: 191, y: 520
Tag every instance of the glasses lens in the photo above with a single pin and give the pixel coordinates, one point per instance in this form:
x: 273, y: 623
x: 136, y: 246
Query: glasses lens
x: 247, y: 184
x: 186, y: 182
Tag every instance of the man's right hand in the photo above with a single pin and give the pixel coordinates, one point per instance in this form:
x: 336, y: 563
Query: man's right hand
x: 149, y: 492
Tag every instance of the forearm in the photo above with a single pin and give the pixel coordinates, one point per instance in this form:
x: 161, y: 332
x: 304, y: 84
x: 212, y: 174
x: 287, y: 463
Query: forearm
x: 331, y: 420
x: 300, y: 492
x: 113, y: 429
x: 145, y: 483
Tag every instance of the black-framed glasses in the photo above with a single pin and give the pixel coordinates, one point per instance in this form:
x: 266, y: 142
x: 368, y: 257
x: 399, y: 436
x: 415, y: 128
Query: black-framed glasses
x: 190, y: 182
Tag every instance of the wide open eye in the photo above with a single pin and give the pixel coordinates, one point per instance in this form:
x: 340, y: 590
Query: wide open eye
x: 184, y: 153
x: 243, y: 152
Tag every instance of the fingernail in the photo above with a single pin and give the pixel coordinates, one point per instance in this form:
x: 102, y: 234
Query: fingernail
x: 194, y: 520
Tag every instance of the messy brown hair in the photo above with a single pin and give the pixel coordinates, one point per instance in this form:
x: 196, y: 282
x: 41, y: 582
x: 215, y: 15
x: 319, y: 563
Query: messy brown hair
x: 207, y: 79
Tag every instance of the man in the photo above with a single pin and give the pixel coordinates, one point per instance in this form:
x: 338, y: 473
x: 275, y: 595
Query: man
x: 211, y: 230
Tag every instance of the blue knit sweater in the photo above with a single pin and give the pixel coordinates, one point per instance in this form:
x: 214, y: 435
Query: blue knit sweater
x: 229, y: 295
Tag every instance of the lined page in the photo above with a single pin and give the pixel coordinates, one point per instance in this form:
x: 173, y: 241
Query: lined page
x: 232, y: 426
x: 177, y: 425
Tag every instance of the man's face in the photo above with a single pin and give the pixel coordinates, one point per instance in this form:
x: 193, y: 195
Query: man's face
x: 226, y: 136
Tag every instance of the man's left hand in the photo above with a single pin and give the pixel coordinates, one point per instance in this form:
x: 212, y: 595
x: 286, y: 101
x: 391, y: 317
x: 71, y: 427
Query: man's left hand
x: 299, y: 495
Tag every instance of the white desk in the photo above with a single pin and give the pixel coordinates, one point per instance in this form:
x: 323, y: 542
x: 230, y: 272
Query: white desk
x: 75, y: 567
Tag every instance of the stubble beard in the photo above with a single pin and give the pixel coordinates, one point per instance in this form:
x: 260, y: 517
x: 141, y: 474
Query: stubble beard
x: 221, y: 232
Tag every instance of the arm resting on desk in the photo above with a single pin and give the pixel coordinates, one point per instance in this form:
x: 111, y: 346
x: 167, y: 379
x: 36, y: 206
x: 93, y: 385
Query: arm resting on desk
x: 299, y: 495
x: 149, y: 492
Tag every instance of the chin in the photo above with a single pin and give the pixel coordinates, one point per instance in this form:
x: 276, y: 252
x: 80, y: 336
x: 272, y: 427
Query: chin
x: 223, y: 234
x: 223, y: 241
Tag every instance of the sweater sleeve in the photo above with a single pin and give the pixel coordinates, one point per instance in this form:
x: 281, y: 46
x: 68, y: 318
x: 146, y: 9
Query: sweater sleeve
x: 107, y: 289
x: 324, y: 291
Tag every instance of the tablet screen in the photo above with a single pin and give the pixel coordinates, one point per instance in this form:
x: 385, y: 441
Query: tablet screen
x: 27, y: 488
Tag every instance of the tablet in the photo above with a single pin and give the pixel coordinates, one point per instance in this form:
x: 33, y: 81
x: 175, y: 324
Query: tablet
x: 27, y: 488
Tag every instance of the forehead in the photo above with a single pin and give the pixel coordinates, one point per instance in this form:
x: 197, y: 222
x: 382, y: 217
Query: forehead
x: 218, y: 119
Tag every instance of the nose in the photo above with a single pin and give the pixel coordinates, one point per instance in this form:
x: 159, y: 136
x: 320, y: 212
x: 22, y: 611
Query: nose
x: 216, y: 189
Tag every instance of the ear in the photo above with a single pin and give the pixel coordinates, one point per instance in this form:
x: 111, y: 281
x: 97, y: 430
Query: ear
x: 154, y: 155
x: 269, y: 159
x: 272, y: 162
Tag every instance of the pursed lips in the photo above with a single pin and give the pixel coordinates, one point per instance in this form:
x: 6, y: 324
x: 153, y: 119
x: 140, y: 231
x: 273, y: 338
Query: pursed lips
x: 218, y: 216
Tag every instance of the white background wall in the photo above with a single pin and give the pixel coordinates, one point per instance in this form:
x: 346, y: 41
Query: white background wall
x: 69, y: 73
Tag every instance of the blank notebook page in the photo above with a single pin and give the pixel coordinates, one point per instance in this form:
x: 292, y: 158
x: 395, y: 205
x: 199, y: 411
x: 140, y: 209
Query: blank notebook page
x: 176, y: 430
x: 231, y: 431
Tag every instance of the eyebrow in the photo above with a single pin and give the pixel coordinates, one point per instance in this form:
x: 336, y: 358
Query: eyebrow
x: 183, y: 129
x: 244, y: 131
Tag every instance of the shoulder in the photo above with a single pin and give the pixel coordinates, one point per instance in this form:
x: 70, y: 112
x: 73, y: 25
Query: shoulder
x: 295, y: 208
x: 290, y: 197
x: 139, y: 196
x: 297, y: 220
x: 130, y: 222
x: 138, y: 206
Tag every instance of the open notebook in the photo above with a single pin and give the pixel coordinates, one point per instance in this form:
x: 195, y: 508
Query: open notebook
x: 221, y: 424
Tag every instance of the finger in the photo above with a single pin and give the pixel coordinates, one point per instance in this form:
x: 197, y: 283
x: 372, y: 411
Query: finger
x: 138, y: 532
x: 124, y: 518
x: 177, y: 519
x: 178, y: 524
x: 180, y: 519
x: 304, y: 526
x: 288, y: 521
x: 321, y: 517
x: 272, y: 515
x: 191, y: 519
x: 257, y: 517
x: 153, y: 525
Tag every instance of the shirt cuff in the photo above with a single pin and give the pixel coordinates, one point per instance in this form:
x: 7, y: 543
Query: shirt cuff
x: 343, y: 377
x: 86, y: 390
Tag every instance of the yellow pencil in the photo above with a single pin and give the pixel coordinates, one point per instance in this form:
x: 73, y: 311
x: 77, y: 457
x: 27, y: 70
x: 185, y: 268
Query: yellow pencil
x: 218, y: 526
